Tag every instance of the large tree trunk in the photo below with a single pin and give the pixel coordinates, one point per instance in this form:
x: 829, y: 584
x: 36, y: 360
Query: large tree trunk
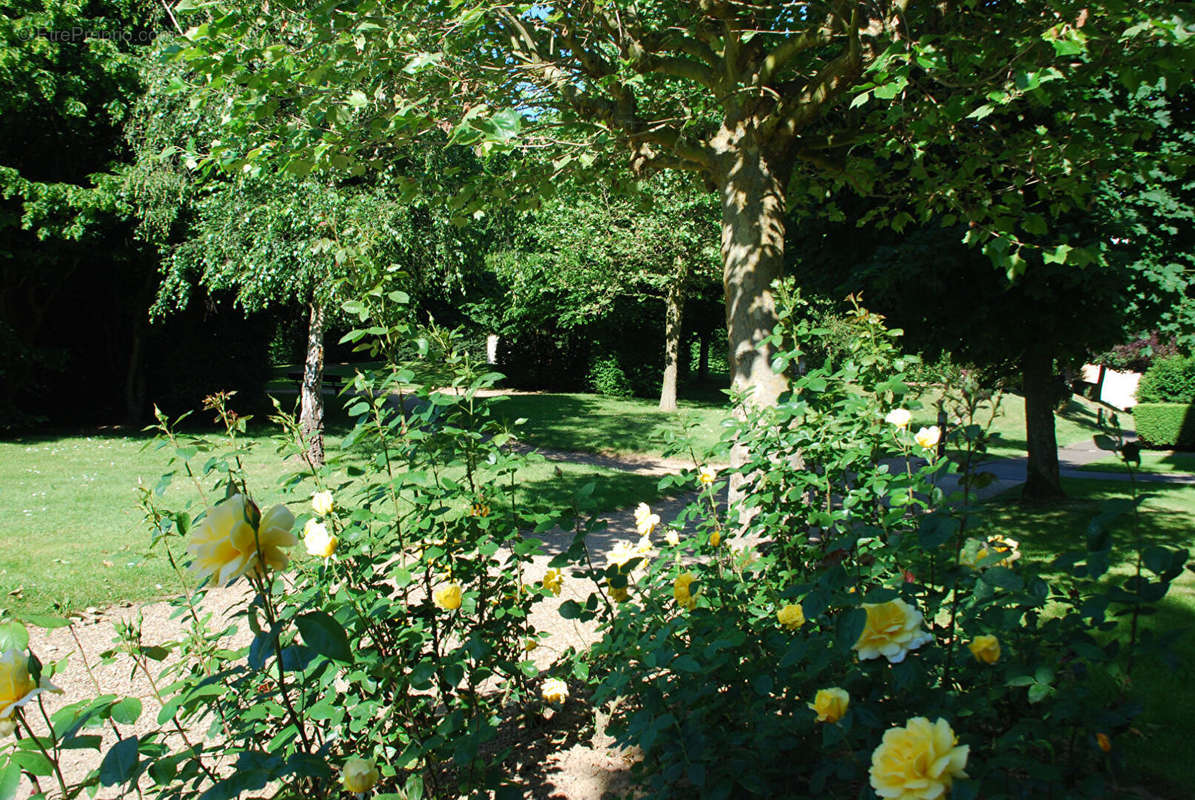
x: 752, y: 186
x: 311, y: 415
x: 674, y: 303
x: 1042, y: 481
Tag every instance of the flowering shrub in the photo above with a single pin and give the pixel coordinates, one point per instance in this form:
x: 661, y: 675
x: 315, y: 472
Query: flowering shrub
x: 861, y: 634
x: 384, y: 659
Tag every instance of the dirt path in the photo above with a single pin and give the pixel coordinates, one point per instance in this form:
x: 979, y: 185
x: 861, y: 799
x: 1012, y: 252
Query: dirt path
x: 556, y: 763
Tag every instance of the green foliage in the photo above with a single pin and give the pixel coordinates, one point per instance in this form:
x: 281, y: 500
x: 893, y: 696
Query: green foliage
x: 844, y: 511
x: 1168, y: 380
x: 1166, y: 424
x: 606, y: 377
x: 326, y: 677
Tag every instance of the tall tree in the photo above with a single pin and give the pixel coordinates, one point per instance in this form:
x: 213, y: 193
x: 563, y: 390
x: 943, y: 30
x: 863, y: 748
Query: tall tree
x: 74, y: 283
x: 927, y: 102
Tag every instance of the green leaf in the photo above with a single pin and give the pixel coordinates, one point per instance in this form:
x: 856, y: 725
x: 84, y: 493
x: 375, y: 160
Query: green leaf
x: 47, y: 621
x: 13, y: 636
x: 570, y: 609
x: 323, y: 634
x: 891, y: 90
x: 1058, y: 256
x: 10, y: 780
x: 1039, y: 692
x: 861, y: 99
x: 120, y: 763
x: 127, y: 711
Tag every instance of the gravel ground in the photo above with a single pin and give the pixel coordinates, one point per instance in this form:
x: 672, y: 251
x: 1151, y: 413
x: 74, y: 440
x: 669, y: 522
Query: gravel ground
x: 554, y: 758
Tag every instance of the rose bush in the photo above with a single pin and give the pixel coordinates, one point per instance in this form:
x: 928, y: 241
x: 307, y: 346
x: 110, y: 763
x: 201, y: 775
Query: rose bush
x: 389, y: 655
x: 910, y: 612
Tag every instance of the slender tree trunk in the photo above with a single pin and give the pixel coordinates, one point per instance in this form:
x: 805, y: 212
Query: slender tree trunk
x: 134, y: 382
x: 1042, y: 481
x: 311, y: 415
x: 703, y: 357
x: 674, y: 304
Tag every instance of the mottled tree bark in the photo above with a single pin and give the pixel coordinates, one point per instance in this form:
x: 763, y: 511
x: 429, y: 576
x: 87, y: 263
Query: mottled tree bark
x: 752, y: 187
x: 311, y: 415
x: 674, y: 303
x: 1042, y: 480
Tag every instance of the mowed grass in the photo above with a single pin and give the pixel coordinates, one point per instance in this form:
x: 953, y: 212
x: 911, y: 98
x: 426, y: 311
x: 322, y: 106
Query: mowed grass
x: 1076, y: 422
x: 1152, y: 461
x: 591, y: 423
x: 72, y: 536
x: 1159, y: 746
x: 617, y: 426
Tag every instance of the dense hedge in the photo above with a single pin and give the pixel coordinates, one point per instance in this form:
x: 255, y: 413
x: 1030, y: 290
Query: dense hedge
x: 1168, y: 380
x: 1166, y: 424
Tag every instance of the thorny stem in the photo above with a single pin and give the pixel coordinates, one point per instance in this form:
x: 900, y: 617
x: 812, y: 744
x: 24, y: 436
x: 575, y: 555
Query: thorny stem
x: 37, y: 741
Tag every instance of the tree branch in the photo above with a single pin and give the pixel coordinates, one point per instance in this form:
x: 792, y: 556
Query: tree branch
x: 835, y: 78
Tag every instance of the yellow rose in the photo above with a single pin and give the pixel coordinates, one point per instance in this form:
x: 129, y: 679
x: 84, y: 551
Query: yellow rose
x: 554, y: 581
x: 672, y: 537
x: 448, y: 597
x: 318, y: 541
x: 918, y: 761
x: 619, y: 594
x: 554, y: 691
x: 1006, y: 547
x: 645, y: 548
x: 707, y: 475
x: 621, y: 553
x: 986, y: 649
x: 830, y: 704
x: 892, y: 630
x: 226, y: 544
x: 715, y: 538
x: 321, y: 503
x: 680, y: 590
x: 645, y: 521
x: 899, y: 417
x: 17, y: 687
x: 480, y: 510
x: 791, y: 616
x: 359, y: 775
x: 928, y: 437
x: 1104, y: 742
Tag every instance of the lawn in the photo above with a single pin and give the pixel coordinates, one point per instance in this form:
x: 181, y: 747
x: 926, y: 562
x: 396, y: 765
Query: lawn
x: 1161, y: 750
x: 73, y: 536
x: 1153, y: 461
x: 592, y: 423
x: 620, y: 426
x: 1075, y: 423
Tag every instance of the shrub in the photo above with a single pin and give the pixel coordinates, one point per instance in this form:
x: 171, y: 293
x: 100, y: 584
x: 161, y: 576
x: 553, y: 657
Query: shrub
x: 852, y: 617
x: 1139, y: 354
x: 1168, y: 380
x: 1166, y: 424
x: 607, y: 377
